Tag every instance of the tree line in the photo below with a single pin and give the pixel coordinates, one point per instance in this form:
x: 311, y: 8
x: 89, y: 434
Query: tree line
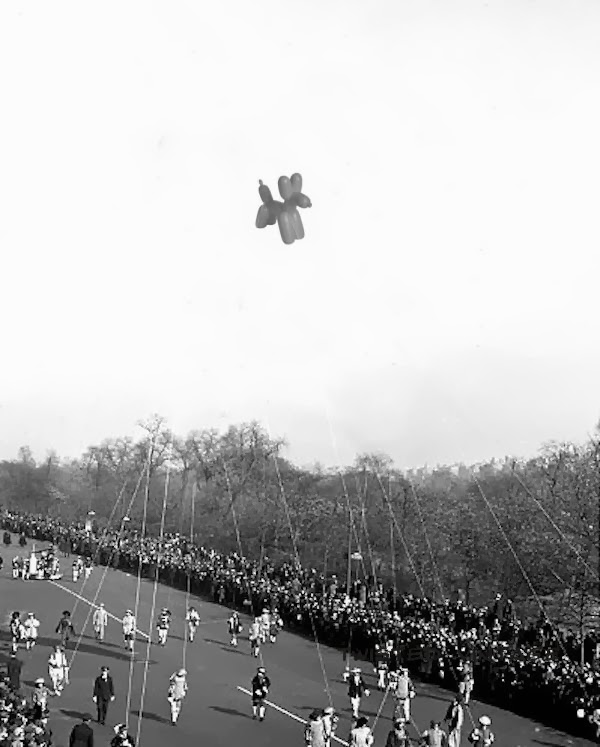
x: 528, y: 529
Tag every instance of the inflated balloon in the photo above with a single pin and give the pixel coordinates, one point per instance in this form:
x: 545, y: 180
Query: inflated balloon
x: 285, y: 213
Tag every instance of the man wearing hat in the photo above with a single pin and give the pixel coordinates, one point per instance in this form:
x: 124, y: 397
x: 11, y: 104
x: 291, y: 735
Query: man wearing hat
x: 104, y: 693
x: 122, y: 738
x: 129, y: 626
x: 82, y: 734
x: 100, y: 621
x: 482, y: 735
x: 356, y: 689
x: 260, y: 689
x: 177, y: 692
x: 361, y: 735
x: 39, y: 698
x: 65, y: 628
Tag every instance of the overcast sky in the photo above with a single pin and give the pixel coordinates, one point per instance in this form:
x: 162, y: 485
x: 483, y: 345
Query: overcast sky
x: 443, y: 306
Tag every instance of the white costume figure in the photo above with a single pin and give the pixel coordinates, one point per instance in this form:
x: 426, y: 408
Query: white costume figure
x: 100, y: 621
x: 31, y: 626
x: 33, y: 565
x: 58, y: 670
x: 455, y: 718
x: 177, y: 692
x: 466, y: 680
x: 193, y: 620
x: 235, y: 628
x: 330, y: 723
x: 254, y: 637
x: 129, y: 626
x: 265, y: 624
x: 403, y: 693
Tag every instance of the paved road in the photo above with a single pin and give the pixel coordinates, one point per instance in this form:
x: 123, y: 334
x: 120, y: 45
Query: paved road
x: 216, y: 711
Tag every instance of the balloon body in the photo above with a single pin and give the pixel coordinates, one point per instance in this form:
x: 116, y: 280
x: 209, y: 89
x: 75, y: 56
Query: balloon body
x: 296, y: 222
x: 286, y: 227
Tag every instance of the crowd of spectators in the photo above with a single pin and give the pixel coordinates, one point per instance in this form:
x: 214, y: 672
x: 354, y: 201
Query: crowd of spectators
x: 532, y: 669
x: 22, y: 723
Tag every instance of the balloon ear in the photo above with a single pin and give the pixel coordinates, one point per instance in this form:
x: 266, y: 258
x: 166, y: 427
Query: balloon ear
x: 285, y: 187
x: 296, y: 182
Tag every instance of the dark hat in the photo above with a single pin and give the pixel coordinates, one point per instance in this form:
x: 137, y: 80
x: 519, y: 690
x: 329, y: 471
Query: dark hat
x: 104, y: 669
x: 362, y: 721
x: 86, y: 717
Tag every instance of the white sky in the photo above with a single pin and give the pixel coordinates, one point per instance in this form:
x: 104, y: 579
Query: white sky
x: 443, y: 305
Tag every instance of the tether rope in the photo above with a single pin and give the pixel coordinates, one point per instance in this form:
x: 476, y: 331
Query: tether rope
x: 154, y: 591
x: 297, y: 556
x: 139, y: 575
x: 189, y: 570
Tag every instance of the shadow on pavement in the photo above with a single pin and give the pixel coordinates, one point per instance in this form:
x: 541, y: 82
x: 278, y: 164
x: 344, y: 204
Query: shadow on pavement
x: 229, y: 711
x: 151, y: 717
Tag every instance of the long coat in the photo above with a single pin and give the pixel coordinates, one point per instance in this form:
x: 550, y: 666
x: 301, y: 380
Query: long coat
x: 82, y: 736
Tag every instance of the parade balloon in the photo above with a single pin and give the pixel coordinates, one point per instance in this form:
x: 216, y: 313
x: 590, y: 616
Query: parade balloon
x: 285, y: 213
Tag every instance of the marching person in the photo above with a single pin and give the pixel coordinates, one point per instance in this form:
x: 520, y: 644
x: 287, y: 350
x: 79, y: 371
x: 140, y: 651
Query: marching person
x: 398, y: 736
x: 275, y: 627
x: 260, y: 687
x: 82, y: 735
x: 122, y: 738
x: 104, y: 693
x: 88, y: 567
x: 356, y: 689
x: 330, y: 724
x: 403, y: 694
x: 193, y: 620
x: 465, y: 680
x: 361, y: 735
x: 482, y: 735
x: 58, y: 670
x: 382, y: 659
x: 100, y: 621
x: 129, y: 627
x: 434, y: 736
x: 235, y: 627
x: 65, y: 628
x: 455, y: 718
x: 39, y: 698
x: 31, y: 626
x: 177, y: 691
x: 265, y: 624
x: 16, y: 567
x: 314, y: 732
x: 76, y: 569
x: 162, y: 626
x: 17, y: 632
x: 254, y: 637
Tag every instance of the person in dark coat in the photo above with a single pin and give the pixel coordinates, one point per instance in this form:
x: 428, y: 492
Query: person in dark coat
x: 104, y: 693
x: 82, y: 734
x: 13, y: 669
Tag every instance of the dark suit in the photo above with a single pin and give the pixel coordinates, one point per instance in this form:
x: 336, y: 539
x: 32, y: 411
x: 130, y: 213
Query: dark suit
x: 103, y: 692
x: 82, y: 736
x: 13, y: 668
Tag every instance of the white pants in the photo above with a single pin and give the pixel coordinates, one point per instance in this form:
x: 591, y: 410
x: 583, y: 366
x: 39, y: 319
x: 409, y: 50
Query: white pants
x: 454, y: 738
x: 355, y: 703
x: 192, y: 630
x: 233, y: 639
x: 30, y: 642
x: 175, y: 709
x: 58, y: 677
x: 162, y: 636
x: 75, y: 575
x: 88, y: 573
x: 402, y: 709
x: 466, y: 688
x: 15, y: 573
x: 381, y: 678
x: 99, y: 632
